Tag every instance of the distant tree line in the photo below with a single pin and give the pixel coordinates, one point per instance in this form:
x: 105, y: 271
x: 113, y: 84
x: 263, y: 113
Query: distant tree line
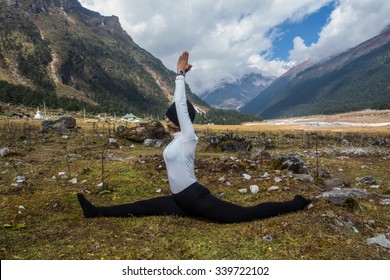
x: 19, y: 94
x: 219, y: 116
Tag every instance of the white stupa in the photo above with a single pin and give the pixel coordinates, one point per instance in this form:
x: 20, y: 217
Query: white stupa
x: 38, y: 116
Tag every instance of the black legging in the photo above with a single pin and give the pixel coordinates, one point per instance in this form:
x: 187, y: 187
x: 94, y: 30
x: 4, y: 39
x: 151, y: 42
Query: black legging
x: 194, y: 201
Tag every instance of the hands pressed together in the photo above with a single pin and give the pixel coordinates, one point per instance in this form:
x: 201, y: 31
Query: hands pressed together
x: 182, y: 63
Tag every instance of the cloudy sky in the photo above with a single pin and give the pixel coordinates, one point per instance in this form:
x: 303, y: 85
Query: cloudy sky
x: 228, y: 39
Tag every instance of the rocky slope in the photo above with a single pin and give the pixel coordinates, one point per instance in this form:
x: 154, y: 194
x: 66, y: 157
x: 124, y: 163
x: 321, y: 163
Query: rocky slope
x: 57, y: 46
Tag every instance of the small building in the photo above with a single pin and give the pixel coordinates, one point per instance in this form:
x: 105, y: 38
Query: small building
x: 38, y: 116
x: 131, y: 118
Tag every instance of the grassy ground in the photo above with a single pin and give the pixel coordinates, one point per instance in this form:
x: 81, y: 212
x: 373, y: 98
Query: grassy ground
x: 50, y: 223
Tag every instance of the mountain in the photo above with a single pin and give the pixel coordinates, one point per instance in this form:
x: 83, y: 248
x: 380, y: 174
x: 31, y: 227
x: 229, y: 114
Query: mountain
x: 353, y: 80
x: 235, y: 95
x: 274, y: 90
x: 58, y: 52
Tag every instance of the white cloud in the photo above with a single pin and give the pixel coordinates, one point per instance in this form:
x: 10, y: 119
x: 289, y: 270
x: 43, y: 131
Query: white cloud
x: 351, y: 23
x: 225, y: 37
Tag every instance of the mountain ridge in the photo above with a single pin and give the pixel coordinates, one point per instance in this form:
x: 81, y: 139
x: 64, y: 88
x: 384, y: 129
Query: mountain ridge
x: 59, y: 46
x: 353, y: 80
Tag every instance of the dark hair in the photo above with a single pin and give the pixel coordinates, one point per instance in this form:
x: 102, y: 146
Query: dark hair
x: 172, y: 114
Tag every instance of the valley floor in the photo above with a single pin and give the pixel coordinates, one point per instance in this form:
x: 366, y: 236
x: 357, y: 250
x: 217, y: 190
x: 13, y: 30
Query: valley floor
x: 41, y: 219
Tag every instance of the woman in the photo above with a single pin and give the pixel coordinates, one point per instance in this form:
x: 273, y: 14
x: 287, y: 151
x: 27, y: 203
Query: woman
x: 189, y: 198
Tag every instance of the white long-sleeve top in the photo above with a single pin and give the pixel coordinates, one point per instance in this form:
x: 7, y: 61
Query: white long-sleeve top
x: 179, y: 155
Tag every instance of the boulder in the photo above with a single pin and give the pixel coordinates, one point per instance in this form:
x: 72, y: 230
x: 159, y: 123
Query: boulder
x: 340, y: 196
x: 150, y: 130
x: 59, y: 126
x: 366, y: 180
x: 291, y: 162
x: 337, y: 183
x: 229, y: 143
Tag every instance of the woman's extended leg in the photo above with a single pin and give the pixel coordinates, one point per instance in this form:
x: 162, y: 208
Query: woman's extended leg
x: 197, y: 200
x: 163, y: 205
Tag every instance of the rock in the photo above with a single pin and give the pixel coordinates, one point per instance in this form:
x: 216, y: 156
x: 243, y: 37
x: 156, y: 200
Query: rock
x: 243, y: 190
x: 260, y: 154
x: 268, y: 238
x: 20, y: 180
x: 385, y: 201
x: 150, y: 130
x: 380, y: 240
x: 367, y: 180
x: 62, y: 175
x: 304, y: 177
x: 254, y: 188
x: 340, y: 196
x: 246, y: 176
x: 381, y: 143
x: 323, y: 173
x: 59, y: 126
x: 148, y: 142
x: 4, y: 152
x: 158, y: 191
x: 112, y: 144
x: 265, y: 175
x: 153, y: 143
x: 229, y: 143
x: 120, y: 129
x: 278, y: 179
x: 336, y: 183
x: 291, y: 162
x: 73, y: 181
x: 375, y: 186
x: 21, y: 207
x: 221, y: 179
x: 273, y: 188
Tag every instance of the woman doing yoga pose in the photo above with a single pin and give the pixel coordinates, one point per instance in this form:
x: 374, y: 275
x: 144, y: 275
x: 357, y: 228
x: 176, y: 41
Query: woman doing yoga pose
x: 189, y: 198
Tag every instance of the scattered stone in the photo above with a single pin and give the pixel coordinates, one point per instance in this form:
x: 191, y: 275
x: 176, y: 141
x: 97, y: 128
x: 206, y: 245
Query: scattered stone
x: 100, y: 185
x: 73, y: 181
x: 323, y: 173
x: 278, y: 179
x: 243, y: 190
x: 246, y: 176
x: 385, y: 201
x: 65, y: 136
x: 381, y: 143
x: 304, y: 177
x: 158, y: 191
x: 254, y: 188
x: 291, y: 162
x: 367, y: 180
x: 59, y: 126
x: 150, y: 130
x: 21, y: 207
x: 337, y: 183
x: 112, y: 143
x: 62, y: 175
x: 268, y: 238
x: 340, y: 196
x: 221, y: 179
x: 375, y: 186
x: 380, y: 240
x: 4, y: 152
x: 273, y: 188
x: 120, y: 129
x: 153, y: 143
x: 229, y: 143
x: 265, y: 175
x: 20, y: 180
